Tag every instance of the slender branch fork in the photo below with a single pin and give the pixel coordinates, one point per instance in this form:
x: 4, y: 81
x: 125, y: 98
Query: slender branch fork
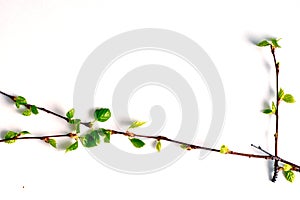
x: 268, y: 155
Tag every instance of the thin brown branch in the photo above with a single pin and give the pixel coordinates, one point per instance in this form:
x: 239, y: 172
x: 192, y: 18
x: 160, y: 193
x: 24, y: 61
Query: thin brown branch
x: 276, y: 64
x: 13, y: 98
x: 39, y: 137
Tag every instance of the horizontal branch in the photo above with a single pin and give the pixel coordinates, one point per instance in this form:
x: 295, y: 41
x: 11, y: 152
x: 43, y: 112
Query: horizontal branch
x: 70, y: 135
x: 158, y: 138
x: 192, y: 146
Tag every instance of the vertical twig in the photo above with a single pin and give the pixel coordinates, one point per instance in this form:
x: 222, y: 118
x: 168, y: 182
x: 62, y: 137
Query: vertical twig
x: 276, y: 113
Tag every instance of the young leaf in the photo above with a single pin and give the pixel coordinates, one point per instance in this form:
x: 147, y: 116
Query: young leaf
x: 137, y: 142
x: 52, y: 142
x: 102, y: 114
x: 26, y: 112
x: 289, y: 175
x: 107, y: 136
x: 267, y: 111
x: 158, y: 146
x: 72, y: 147
x: 136, y: 124
x: 10, y: 135
x: 76, y: 123
x: 77, y: 127
x: 280, y: 93
x: 273, y: 107
x: 224, y: 149
x: 183, y: 146
x: 263, y: 43
x: 287, y: 167
x: 288, y: 98
x: 34, y: 109
x: 19, y: 100
x: 105, y: 133
x: 91, y: 139
x: 275, y: 42
x: 24, y: 133
x: 70, y: 113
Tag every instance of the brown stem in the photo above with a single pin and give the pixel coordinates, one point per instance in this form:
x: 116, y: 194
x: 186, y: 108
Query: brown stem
x: 38, y: 137
x: 189, y: 146
x: 276, y: 114
x: 13, y: 98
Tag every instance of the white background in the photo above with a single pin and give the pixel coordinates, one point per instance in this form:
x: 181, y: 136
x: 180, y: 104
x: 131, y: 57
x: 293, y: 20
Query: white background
x: 43, y: 45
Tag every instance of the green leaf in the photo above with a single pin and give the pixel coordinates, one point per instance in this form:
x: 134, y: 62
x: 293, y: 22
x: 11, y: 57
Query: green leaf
x: 72, y: 147
x: 158, y: 146
x: 24, y: 133
x: 224, y: 149
x: 288, y: 98
x: 102, y: 114
x: 287, y: 167
x: 105, y: 134
x: 137, y: 142
x: 34, y: 109
x: 289, y: 175
x: 76, y: 123
x: 52, y: 142
x: 273, y: 107
x: 275, y: 42
x: 70, y: 113
x: 280, y: 93
x: 77, y: 127
x: 10, y: 135
x: 26, y: 112
x: 183, y: 146
x: 263, y: 43
x: 91, y: 139
x: 267, y: 111
x: 19, y: 100
x: 136, y: 124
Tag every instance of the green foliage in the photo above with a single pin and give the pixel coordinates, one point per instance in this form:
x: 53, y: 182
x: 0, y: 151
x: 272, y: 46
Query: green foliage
x: 184, y: 146
x: 158, y: 146
x: 70, y: 113
x: 268, y: 42
x: 136, y: 124
x: 10, y: 135
x: 102, y: 114
x: 288, y: 98
x: 76, y: 123
x: 267, y: 111
x: 224, y: 149
x: 91, y: 139
x: 24, y: 133
x: 52, y: 142
x: 280, y: 93
x: 274, y: 42
x: 289, y: 175
x: 19, y: 100
x: 105, y: 134
x: 287, y: 167
x: 273, y: 107
x: 26, y: 112
x: 72, y: 147
x: 270, y: 111
x: 137, y: 142
x: 263, y: 43
x: 34, y: 109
